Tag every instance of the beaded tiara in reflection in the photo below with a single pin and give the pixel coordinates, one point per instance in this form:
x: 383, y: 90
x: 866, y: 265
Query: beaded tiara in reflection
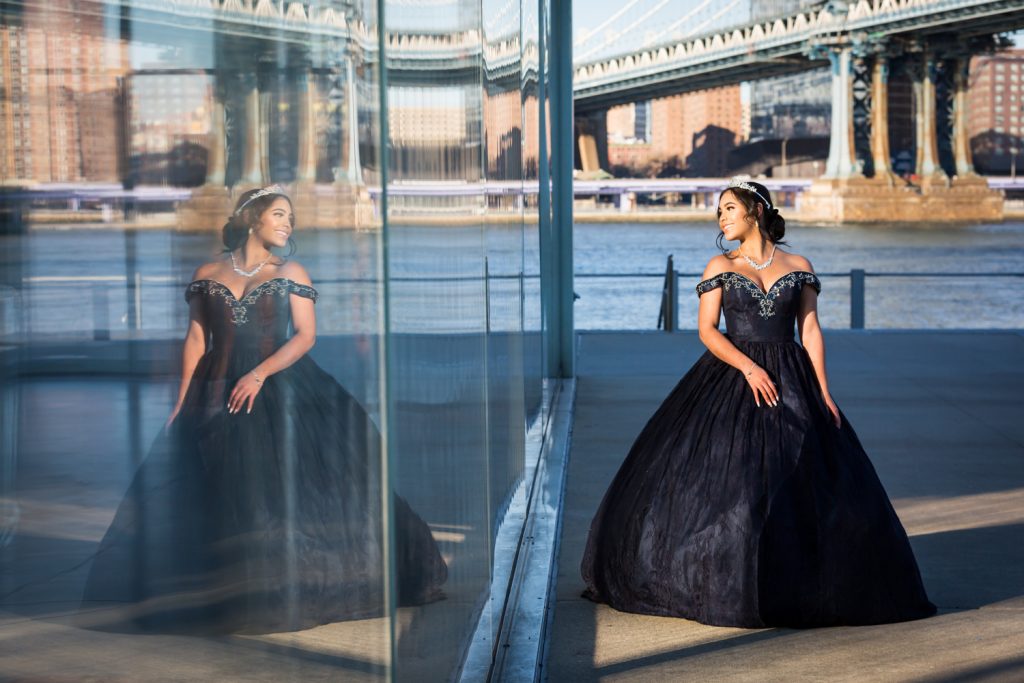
x: 263, y: 192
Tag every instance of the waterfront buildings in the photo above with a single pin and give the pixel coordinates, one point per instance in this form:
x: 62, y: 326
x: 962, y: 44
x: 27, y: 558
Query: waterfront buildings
x: 689, y: 134
x: 996, y: 112
x: 61, y: 94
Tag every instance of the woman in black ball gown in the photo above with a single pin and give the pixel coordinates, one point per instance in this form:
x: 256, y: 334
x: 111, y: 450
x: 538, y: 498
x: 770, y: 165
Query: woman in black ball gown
x: 747, y: 500
x: 259, y: 507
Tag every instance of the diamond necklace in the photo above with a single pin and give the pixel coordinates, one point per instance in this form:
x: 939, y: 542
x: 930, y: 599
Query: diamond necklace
x: 248, y: 273
x: 755, y: 264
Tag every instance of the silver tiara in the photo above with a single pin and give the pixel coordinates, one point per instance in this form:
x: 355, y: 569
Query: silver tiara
x: 736, y: 182
x: 269, y: 189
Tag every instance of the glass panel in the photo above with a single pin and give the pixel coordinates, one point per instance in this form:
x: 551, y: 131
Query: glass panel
x: 245, y: 545
x: 438, y: 310
x: 533, y: 347
x: 464, y: 375
x: 503, y: 123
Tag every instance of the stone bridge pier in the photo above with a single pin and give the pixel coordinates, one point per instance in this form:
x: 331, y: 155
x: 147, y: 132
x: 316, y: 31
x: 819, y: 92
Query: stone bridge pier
x: 241, y: 153
x: 859, y: 184
x: 591, y: 132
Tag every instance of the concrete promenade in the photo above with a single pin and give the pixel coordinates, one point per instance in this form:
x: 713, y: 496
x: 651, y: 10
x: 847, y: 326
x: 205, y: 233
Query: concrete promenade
x: 940, y: 414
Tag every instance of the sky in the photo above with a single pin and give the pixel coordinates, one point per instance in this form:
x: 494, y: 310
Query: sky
x: 605, y: 27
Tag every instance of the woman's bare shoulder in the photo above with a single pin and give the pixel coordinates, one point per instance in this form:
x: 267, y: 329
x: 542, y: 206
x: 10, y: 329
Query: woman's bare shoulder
x: 294, y: 271
x: 718, y: 264
x: 208, y: 271
x: 796, y: 262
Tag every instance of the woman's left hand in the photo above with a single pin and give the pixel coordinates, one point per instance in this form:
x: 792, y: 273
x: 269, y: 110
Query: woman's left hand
x: 833, y: 409
x: 244, y: 393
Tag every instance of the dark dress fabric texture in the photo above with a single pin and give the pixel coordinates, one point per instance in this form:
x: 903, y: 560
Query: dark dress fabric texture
x: 264, y: 521
x: 736, y: 515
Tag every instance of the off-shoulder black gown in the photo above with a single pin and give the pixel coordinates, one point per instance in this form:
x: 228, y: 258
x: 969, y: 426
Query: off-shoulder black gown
x: 264, y: 521
x: 735, y: 515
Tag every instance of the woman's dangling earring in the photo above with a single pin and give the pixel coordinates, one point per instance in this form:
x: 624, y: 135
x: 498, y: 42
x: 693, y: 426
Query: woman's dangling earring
x: 250, y: 231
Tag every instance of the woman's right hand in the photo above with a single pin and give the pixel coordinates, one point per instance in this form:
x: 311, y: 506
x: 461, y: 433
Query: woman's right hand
x: 762, y: 386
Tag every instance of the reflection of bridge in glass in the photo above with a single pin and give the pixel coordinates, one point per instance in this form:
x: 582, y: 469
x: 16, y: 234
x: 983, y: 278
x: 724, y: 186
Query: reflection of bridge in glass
x: 865, y: 42
x: 305, y: 121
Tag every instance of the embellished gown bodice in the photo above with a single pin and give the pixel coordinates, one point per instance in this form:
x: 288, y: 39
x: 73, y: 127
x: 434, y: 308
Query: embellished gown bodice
x: 752, y: 314
x: 260, y: 319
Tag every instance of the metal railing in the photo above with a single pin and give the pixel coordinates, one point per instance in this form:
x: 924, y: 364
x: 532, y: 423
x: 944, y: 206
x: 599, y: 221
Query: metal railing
x: 668, y: 313
x: 118, y: 298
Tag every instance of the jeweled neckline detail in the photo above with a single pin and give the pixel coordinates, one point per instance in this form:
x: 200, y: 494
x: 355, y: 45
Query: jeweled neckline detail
x: 244, y: 296
x: 777, y: 281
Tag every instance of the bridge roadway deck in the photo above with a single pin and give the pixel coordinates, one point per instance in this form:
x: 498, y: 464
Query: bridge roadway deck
x: 939, y: 414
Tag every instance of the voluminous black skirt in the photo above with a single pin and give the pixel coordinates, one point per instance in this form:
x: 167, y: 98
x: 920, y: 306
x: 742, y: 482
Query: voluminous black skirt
x: 737, y: 515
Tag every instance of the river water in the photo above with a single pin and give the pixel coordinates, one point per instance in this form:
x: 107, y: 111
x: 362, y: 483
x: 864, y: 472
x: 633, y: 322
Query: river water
x: 64, y: 291
x: 966, y: 299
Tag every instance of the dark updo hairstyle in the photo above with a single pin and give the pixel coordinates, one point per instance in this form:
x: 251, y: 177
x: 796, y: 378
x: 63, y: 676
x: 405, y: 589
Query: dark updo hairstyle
x: 236, y: 230
x: 771, y: 223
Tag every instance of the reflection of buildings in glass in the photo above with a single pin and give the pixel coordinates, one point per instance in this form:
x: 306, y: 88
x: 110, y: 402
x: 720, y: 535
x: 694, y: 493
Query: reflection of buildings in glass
x: 693, y: 131
x: 503, y: 127
x: 434, y: 132
x: 167, y: 108
x: 60, y: 92
x: 995, y: 105
x: 531, y: 136
x: 170, y: 124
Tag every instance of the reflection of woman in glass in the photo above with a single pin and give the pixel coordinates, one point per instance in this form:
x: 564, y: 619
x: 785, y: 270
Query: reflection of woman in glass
x: 259, y: 507
x: 747, y: 499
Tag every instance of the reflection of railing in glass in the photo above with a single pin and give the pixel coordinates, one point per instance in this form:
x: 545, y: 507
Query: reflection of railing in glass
x: 146, y: 307
x: 151, y: 307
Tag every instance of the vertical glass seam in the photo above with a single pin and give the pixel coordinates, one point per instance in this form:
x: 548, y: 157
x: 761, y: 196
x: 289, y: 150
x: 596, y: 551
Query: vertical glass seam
x: 385, y: 352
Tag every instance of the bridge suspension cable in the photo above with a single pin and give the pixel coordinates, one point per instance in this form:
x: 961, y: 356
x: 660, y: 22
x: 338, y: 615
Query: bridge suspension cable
x: 600, y: 27
x: 639, y: 20
x: 703, y: 5
x: 699, y: 27
x: 667, y: 31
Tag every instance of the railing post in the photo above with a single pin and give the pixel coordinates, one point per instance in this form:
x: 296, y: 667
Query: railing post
x: 135, y: 301
x: 675, y: 303
x: 857, y: 299
x: 487, y: 296
x: 100, y: 312
x: 669, y: 303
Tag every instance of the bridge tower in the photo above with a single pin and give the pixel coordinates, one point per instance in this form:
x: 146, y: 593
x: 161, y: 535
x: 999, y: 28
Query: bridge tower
x: 863, y: 187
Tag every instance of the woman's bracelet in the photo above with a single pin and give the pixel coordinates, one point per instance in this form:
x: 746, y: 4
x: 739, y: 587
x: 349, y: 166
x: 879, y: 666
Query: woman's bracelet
x: 750, y: 370
x: 259, y: 380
